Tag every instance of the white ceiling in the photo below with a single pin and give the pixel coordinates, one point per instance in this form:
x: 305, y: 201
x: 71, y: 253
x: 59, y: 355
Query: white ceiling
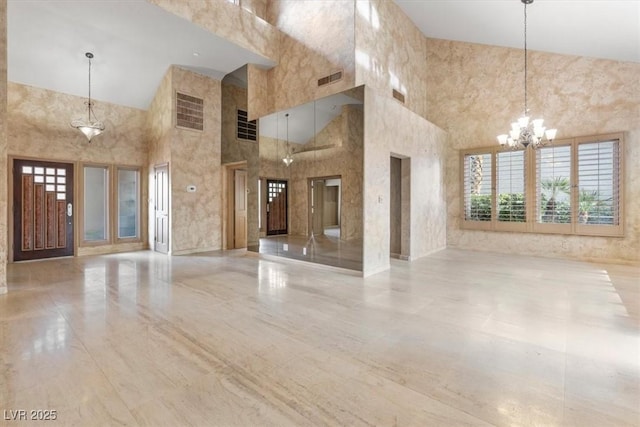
x: 134, y: 43
x: 595, y: 28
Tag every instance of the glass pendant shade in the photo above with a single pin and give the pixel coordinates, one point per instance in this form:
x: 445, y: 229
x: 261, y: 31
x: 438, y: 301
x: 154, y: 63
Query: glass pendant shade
x: 88, y: 129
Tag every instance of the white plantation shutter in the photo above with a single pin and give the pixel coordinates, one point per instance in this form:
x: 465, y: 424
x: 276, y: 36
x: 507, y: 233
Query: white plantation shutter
x: 599, y: 184
x: 478, y: 199
x: 511, y: 186
x: 573, y: 186
x: 553, y: 185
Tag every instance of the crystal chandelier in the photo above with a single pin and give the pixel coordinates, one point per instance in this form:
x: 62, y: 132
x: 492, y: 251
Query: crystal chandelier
x: 288, y: 159
x: 89, y: 127
x: 526, y: 132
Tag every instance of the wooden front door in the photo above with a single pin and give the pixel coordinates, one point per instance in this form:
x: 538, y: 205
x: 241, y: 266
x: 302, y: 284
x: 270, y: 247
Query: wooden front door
x: 276, y: 207
x: 43, y: 209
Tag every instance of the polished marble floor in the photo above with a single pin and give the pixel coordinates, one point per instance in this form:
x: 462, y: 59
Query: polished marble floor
x: 456, y: 338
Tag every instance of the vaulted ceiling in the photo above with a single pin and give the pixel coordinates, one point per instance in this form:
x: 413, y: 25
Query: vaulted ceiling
x: 134, y: 41
x: 595, y: 28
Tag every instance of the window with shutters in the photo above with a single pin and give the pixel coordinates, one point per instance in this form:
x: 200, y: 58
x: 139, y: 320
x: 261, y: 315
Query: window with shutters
x: 510, y: 186
x: 478, y: 197
x: 571, y: 187
x: 553, y: 189
x: 246, y: 129
x: 598, y: 187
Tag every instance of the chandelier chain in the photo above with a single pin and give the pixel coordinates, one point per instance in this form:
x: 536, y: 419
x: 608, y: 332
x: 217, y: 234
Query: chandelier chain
x: 526, y: 105
x: 526, y: 132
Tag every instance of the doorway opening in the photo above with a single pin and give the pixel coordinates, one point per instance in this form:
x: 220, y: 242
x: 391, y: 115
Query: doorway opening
x: 324, y: 206
x: 400, y: 207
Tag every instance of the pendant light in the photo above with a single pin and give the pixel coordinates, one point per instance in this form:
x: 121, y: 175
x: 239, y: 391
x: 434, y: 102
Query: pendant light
x: 91, y: 126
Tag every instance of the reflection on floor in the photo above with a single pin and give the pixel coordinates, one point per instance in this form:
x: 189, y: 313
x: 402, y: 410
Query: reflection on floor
x: 456, y: 338
x: 322, y: 249
x: 332, y: 232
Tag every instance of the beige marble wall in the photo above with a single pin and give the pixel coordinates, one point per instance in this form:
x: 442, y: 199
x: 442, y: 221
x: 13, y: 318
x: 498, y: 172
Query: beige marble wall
x: 353, y: 157
x: 195, y: 160
x: 259, y: 103
x: 257, y: 7
x: 342, y: 156
x: 475, y: 91
x: 388, y: 52
x: 38, y: 127
x: 228, y: 21
x: 390, y: 128
x: 159, y: 125
x: 316, y: 39
x: 160, y: 122
x: 3, y: 147
x: 237, y: 150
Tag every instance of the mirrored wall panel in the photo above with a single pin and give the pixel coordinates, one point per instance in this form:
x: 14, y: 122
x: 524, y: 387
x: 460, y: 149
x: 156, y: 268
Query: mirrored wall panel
x: 310, y: 181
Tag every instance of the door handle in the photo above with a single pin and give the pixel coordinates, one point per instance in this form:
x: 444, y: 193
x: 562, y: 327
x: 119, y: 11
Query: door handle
x: 69, y: 209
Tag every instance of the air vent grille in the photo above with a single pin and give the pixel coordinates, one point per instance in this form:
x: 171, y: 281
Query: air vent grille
x: 331, y: 78
x: 189, y: 112
x: 246, y: 129
x: 398, y: 95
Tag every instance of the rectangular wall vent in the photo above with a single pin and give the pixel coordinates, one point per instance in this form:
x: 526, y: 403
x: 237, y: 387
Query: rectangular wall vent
x: 330, y: 78
x: 246, y: 129
x: 398, y: 95
x: 189, y: 112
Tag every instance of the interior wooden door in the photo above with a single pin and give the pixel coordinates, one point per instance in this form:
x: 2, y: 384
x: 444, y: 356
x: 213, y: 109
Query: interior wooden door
x: 161, y: 239
x: 276, y: 207
x: 240, y: 208
x: 43, y: 209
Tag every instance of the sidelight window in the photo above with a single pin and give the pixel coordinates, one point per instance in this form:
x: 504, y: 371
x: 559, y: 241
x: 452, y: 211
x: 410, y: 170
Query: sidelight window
x: 111, y: 203
x: 128, y: 204
x: 96, y: 203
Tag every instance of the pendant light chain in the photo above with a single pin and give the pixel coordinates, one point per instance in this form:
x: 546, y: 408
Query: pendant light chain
x: 288, y: 159
x: 89, y: 128
x: 89, y: 88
